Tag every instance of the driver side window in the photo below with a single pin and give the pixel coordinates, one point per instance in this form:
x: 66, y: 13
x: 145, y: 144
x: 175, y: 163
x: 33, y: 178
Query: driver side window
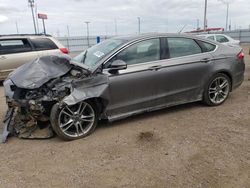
x: 142, y: 52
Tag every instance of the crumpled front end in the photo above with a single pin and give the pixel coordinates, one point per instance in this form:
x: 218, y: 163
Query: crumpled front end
x: 28, y: 114
x: 33, y: 89
x: 30, y: 92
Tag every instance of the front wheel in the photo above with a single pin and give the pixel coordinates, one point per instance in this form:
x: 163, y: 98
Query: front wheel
x: 74, y: 122
x: 217, y: 90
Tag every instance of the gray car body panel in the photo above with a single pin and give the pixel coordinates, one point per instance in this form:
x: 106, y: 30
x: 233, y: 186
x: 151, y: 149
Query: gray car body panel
x: 142, y: 87
x: 91, y: 87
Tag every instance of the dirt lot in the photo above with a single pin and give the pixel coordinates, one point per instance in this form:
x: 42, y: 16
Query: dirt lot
x: 186, y: 146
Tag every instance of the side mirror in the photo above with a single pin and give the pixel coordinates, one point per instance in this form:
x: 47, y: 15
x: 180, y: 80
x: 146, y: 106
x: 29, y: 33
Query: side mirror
x: 117, y: 65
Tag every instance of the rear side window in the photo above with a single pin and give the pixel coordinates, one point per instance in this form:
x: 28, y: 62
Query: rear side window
x: 12, y: 46
x: 211, y: 37
x: 43, y: 44
x: 221, y: 38
x: 179, y: 47
x: 206, y: 47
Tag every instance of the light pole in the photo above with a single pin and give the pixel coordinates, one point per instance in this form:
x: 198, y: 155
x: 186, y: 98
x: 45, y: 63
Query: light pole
x: 87, y: 23
x: 37, y: 26
x: 205, y: 16
x: 227, y: 16
x: 68, y: 36
x: 31, y: 4
x: 139, y: 25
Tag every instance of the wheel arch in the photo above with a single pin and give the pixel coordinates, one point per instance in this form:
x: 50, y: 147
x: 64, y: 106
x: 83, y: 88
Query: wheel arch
x: 228, y: 74
x: 100, y: 104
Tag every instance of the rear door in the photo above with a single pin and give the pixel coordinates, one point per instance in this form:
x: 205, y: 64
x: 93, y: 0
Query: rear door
x: 45, y: 46
x: 181, y: 76
x: 14, y: 53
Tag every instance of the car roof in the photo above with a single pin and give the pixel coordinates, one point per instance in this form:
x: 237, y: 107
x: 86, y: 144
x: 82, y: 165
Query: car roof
x: 16, y: 36
x: 152, y: 35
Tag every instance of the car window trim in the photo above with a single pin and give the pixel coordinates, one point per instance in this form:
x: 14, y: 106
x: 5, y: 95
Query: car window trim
x: 39, y: 50
x: 127, y: 46
x: 184, y: 38
x: 105, y: 60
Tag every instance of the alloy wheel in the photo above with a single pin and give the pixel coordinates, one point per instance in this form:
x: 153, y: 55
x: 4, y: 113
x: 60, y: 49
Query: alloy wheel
x: 219, y: 90
x: 77, y: 120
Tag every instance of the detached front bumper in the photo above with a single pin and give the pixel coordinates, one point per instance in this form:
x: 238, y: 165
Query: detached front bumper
x: 7, y: 124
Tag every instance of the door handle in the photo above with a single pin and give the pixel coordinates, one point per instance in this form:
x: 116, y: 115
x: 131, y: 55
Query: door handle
x: 205, y: 60
x: 156, y: 67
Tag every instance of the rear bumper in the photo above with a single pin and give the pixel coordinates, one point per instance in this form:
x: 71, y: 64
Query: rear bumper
x: 239, y: 77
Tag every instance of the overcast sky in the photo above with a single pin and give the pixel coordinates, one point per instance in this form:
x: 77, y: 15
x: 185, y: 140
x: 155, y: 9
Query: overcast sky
x: 156, y: 15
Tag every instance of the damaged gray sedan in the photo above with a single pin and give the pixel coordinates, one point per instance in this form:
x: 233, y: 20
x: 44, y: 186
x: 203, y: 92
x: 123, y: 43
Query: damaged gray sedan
x: 115, y: 79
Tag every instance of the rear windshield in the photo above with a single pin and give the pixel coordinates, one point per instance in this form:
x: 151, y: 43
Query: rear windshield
x: 43, y: 44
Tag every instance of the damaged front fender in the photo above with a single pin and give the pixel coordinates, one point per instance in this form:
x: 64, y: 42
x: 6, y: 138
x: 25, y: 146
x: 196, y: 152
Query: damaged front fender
x: 92, y: 87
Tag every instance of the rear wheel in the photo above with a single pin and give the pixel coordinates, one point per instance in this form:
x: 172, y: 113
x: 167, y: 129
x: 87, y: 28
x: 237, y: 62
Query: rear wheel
x: 74, y: 122
x: 217, y: 90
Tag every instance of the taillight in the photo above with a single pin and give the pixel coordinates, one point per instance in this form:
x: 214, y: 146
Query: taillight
x: 241, y: 56
x: 64, y: 50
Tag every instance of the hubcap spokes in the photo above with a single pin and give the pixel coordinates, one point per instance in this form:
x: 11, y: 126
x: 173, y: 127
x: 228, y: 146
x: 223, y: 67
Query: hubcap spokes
x: 218, y: 90
x: 76, y: 120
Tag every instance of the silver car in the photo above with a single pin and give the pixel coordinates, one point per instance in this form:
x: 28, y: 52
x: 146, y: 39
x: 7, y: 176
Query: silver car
x: 16, y: 50
x: 221, y: 38
x: 117, y: 78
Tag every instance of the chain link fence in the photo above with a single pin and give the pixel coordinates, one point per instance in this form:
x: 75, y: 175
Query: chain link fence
x: 243, y: 35
x: 80, y: 43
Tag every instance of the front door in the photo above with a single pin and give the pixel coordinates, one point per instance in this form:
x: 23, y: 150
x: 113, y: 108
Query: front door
x: 132, y: 90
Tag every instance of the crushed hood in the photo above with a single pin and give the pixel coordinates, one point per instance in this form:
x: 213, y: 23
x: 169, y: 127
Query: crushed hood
x: 35, y: 73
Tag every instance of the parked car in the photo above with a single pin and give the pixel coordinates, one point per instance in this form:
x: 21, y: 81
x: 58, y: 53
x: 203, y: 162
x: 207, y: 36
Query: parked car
x: 221, y: 38
x: 117, y: 78
x: 15, y: 50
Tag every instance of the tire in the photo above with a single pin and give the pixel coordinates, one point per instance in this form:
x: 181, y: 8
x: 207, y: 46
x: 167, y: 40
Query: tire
x: 74, y: 122
x: 217, y: 90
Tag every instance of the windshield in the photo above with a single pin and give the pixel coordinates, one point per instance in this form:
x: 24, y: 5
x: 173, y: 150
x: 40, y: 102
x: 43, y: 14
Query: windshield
x: 93, y: 55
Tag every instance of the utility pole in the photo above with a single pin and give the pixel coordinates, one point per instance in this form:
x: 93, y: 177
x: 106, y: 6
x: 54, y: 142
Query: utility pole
x: 68, y: 36
x: 17, y: 31
x: 205, y: 16
x: 227, y: 16
x: 31, y: 4
x: 139, y: 25
x: 68, y: 30
x: 87, y: 23
x: 37, y: 24
x: 44, y: 30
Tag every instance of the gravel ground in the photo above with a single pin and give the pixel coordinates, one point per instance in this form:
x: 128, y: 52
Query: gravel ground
x: 186, y: 146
